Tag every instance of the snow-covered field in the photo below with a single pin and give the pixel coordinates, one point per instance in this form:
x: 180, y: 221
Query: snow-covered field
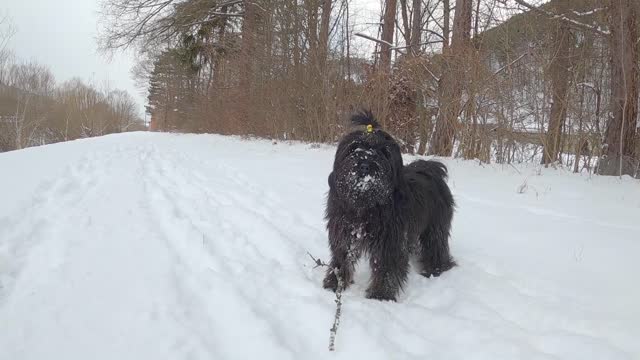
x: 160, y: 246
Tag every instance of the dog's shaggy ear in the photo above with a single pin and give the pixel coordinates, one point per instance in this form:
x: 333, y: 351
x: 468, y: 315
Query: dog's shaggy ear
x: 364, y: 118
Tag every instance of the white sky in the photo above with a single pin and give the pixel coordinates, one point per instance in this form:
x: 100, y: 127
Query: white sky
x: 61, y: 34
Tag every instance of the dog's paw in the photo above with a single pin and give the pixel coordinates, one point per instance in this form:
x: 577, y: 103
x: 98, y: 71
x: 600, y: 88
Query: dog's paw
x: 330, y: 282
x: 380, y: 295
x: 437, y: 271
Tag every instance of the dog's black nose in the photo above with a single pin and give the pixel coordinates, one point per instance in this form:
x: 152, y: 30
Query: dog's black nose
x: 364, y: 167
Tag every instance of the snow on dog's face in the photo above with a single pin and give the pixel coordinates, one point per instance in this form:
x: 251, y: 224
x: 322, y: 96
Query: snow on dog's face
x: 366, y: 168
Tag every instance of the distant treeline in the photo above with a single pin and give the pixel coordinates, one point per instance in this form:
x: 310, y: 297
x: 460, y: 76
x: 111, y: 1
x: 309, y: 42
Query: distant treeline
x: 34, y: 110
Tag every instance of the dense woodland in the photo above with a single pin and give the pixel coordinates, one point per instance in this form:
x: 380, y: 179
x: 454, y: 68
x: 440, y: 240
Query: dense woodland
x: 505, y: 81
x: 34, y: 110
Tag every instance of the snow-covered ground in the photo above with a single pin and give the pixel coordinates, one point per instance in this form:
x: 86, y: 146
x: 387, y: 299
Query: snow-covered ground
x: 160, y: 246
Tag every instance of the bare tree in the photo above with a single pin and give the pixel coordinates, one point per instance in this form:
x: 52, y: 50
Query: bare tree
x: 559, y: 73
x: 452, y: 80
x: 123, y: 115
x: 416, y: 26
x: 619, y: 153
x: 247, y: 58
x: 7, y: 31
x: 149, y: 24
x: 30, y: 84
x: 446, y: 27
x: 388, y: 26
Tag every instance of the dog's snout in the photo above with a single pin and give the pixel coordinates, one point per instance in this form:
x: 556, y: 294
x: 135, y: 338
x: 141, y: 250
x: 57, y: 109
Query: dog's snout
x: 364, y: 167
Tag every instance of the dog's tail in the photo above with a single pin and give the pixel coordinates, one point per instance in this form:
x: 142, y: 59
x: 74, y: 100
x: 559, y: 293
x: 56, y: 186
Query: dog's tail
x: 431, y: 168
x: 364, y: 118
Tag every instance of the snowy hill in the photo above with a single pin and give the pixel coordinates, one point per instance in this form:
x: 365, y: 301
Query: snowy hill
x: 159, y: 246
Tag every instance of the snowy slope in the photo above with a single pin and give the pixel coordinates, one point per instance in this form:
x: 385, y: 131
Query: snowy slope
x: 160, y: 246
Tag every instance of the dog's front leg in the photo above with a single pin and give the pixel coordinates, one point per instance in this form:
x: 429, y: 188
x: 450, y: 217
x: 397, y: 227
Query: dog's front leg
x: 343, y: 258
x: 389, y: 267
x: 341, y: 265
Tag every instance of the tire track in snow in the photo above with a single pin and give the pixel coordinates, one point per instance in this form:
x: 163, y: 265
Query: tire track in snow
x: 34, y: 225
x: 209, y: 272
x: 94, y: 278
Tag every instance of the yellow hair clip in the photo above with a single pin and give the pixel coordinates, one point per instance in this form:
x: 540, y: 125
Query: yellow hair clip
x: 369, y: 128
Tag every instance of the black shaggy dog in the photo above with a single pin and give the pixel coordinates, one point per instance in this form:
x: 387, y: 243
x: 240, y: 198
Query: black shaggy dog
x: 389, y: 211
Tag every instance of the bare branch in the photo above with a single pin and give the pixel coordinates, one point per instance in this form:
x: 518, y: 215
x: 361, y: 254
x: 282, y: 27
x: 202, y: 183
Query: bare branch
x: 374, y: 39
x: 7, y: 30
x: 510, y: 64
x: 433, y: 76
x: 229, y: 3
x: 317, y: 261
x: 420, y: 44
x: 149, y: 24
x: 564, y: 18
x: 495, y: 73
x: 587, y: 13
x: 393, y: 47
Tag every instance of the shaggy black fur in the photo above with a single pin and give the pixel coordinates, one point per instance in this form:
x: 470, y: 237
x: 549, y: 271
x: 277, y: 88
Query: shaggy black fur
x: 389, y: 211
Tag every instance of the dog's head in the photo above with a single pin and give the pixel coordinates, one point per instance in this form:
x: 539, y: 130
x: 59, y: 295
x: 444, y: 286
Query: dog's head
x: 368, y: 164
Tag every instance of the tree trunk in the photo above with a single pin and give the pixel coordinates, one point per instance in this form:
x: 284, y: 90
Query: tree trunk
x: 323, y: 45
x: 452, y: 81
x: 388, y: 25
x: 405, y: 21
x: 312, y: 23
x: 347, y: 32
x: 446, y: 15
x: 321, y: 78
x: 619, y: 144
x: 580, y: 135
x: 559, y: 74
x: 218, y: 70
x: 416, y: 26
x: 247, y: 56
x: 297, y: 30
x: 476, y: 21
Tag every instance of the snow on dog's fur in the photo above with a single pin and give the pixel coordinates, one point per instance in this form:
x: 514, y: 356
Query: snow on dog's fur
x: 391, y: 212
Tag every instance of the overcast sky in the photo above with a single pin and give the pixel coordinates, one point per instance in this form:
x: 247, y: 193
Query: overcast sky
x: 61, y: 35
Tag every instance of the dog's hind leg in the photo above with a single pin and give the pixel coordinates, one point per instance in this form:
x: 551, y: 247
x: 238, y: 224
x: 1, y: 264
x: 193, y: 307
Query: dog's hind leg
x: 389, y: 267
x: 435, y: 257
